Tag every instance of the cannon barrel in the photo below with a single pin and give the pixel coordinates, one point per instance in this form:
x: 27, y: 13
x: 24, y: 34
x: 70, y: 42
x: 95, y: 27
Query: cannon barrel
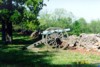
x: 52, y: 31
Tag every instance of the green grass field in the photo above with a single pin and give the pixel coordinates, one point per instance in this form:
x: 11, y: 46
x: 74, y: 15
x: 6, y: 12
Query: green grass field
x: 13, y: 56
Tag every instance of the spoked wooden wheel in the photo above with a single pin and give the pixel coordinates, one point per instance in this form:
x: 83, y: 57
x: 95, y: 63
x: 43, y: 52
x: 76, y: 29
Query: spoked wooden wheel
x: 52, y: 39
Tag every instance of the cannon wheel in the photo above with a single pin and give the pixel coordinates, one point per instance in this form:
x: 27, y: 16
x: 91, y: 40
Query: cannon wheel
x: 51, y: 38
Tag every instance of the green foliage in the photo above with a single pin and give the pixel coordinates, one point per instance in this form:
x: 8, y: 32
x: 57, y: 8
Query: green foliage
x: 15, y: 17
x: 94, y: 26
x: 1, y: 1
x: 4, y: 14
x: 29, y: 25
x: 83, y: 25
x: 64, y: 19
x: 79, y: 26
x: 76, y: 29
x: 22, y: 12
x: 61, y: 19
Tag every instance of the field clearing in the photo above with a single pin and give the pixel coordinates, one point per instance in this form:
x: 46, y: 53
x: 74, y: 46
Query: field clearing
x: 13, y: 56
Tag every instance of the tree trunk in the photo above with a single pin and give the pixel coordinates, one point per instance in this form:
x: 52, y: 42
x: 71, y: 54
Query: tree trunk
x: 7, y: 25
x: 3, y: 33
x: 9, y: 32
x: 6, y: 32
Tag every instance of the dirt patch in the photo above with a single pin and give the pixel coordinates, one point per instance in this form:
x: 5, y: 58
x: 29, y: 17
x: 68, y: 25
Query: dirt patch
x: 84, y: 51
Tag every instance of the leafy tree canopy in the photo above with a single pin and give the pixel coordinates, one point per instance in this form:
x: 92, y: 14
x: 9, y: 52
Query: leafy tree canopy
x: 19, y: 11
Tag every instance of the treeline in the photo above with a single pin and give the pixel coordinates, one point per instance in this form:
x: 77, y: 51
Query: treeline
x: 59, y: 18
x: 62, y: 18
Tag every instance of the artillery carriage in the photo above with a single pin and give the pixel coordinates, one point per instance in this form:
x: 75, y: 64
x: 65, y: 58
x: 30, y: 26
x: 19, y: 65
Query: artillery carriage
x: 52, y: 36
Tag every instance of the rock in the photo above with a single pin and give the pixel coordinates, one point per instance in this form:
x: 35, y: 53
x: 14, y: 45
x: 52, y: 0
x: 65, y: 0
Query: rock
x: 72, y: 40
x: 64, y: 44
x: 98, y: 47
x: 86, y: 41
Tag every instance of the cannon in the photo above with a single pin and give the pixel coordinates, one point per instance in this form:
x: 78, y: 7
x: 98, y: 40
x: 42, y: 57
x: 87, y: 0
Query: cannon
x: 52, y: 36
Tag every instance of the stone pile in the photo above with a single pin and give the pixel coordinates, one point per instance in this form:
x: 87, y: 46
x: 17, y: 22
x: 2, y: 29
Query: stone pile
x: 85, y: 41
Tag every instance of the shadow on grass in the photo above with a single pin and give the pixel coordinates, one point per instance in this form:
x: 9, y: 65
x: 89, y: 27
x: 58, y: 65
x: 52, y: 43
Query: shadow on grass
x: 19, y: 39
x: 22, y: 42
x: 25, y: 40
x: 19, y: 42
x: 0, y: 42
x: 18, y: 58
x: 16, y: 34
x: 14, y: 57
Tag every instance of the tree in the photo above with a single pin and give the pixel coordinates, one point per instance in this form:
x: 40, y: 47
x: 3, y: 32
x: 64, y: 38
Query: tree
x: 94, y: 26
x: 58, y: 18
x: 17, y: 11
x: 83, y: 25
x: 76, y: 28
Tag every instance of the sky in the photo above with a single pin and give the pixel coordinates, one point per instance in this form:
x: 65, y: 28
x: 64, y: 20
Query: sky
x: 88, y: 9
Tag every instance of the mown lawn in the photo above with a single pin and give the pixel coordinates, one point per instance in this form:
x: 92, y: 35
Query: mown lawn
x: 13, y: 56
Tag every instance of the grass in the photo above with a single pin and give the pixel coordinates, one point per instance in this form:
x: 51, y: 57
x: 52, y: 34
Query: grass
x: 13, y: 56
